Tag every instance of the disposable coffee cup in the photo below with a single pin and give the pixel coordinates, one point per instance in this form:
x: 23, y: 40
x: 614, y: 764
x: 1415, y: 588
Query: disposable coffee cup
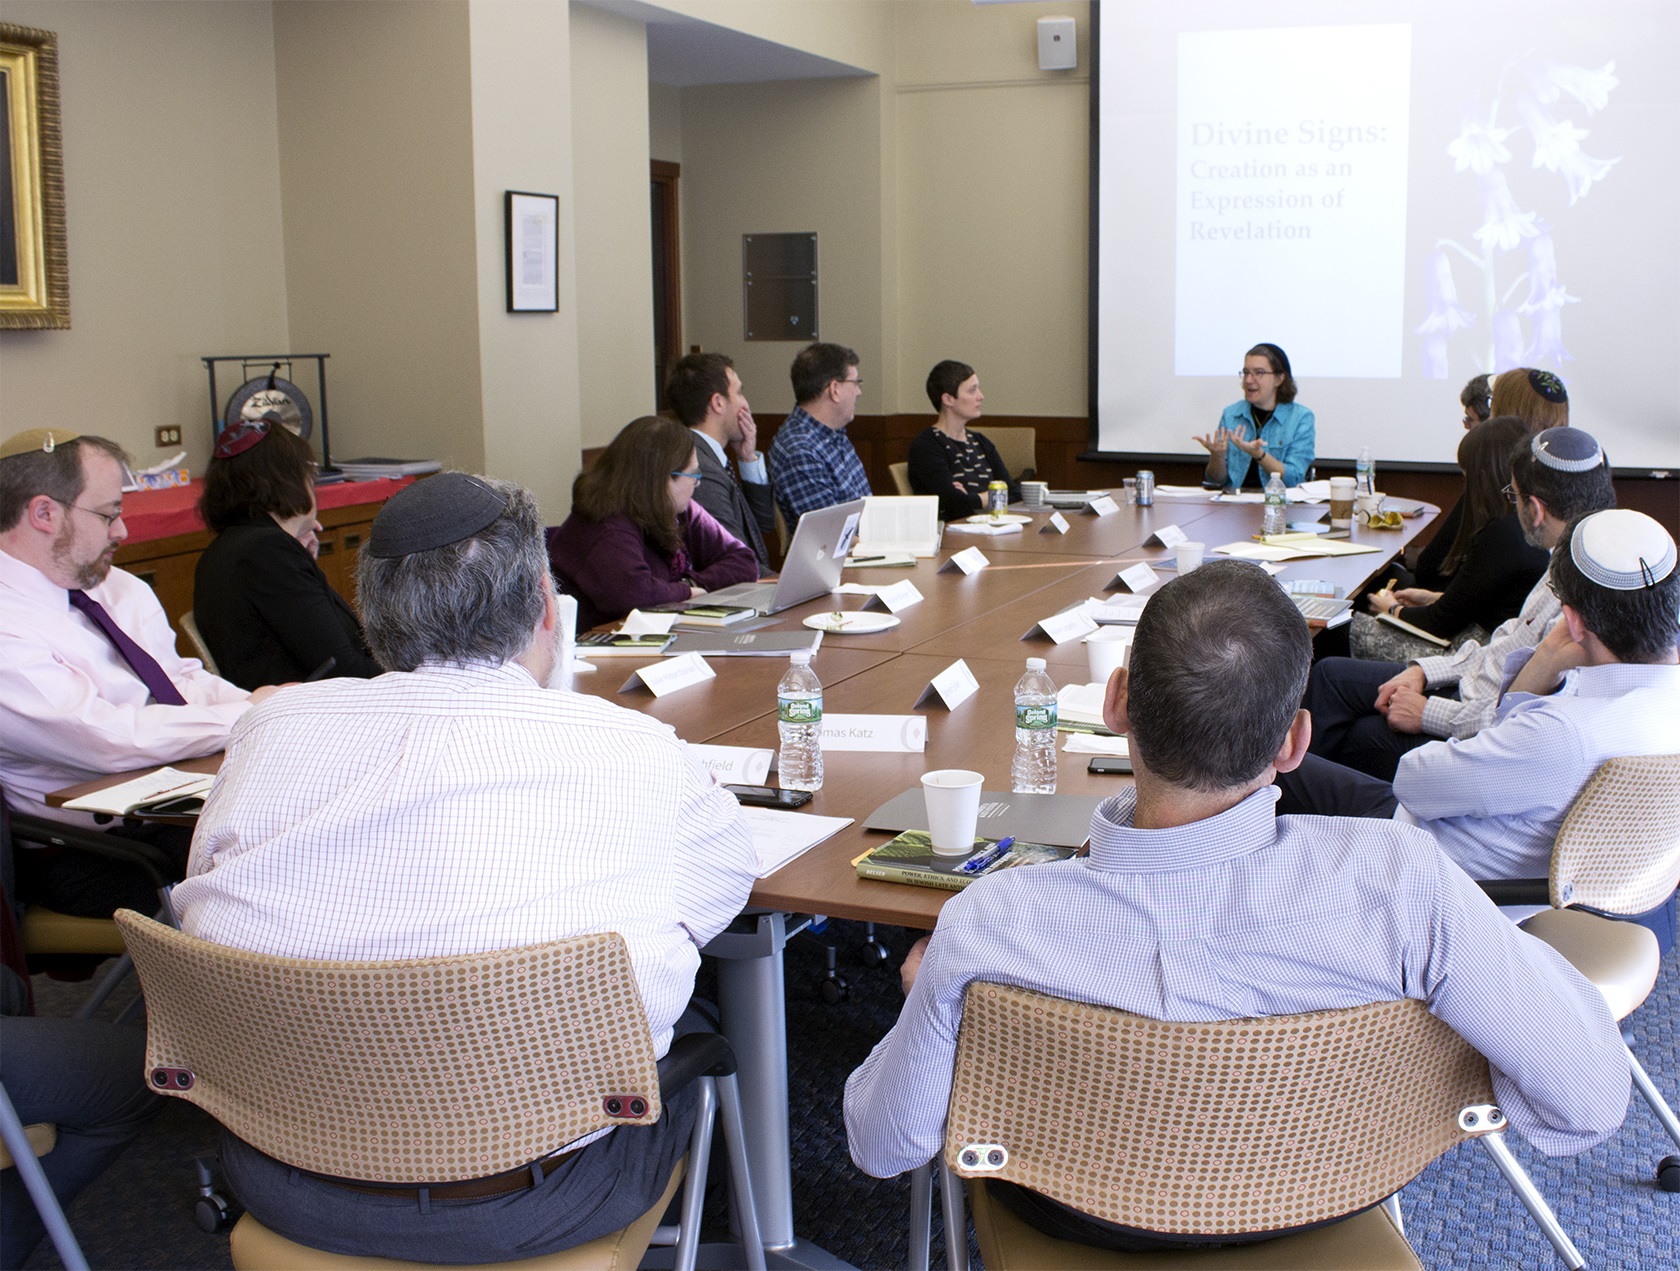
x: 1108, y: 649
x: 1367, y: 505
x: 1189, y: 556
x: 1341, y: 502
x: 953, y: 809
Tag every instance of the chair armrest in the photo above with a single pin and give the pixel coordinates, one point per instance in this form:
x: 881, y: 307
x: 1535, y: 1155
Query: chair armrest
x: 38, y: 829
x: 694, y: 1055
x: 1516, y: 891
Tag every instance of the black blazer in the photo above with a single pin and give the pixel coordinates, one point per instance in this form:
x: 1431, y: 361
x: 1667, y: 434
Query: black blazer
x: 267, y: 612
x: 745, y: 509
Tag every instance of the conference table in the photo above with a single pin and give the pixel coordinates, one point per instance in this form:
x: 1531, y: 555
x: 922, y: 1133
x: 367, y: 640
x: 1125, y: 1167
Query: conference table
x: 986, y: 618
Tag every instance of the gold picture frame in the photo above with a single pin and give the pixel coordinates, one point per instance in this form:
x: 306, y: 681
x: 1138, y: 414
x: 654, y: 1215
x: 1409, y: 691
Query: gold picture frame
x: 34, y: 259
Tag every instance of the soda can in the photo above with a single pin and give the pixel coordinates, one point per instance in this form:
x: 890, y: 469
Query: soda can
x: 997, y: 497
x: 1145, y: 488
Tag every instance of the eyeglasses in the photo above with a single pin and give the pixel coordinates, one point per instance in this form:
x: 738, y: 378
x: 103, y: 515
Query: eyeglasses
x: 1247, y: 373
x: 1510, y: 493
x: 697, y: 476
x: 110, y: 518
x: 857, y: 384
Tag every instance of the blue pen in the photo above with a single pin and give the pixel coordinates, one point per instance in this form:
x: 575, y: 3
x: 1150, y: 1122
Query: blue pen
x: 975, y: 864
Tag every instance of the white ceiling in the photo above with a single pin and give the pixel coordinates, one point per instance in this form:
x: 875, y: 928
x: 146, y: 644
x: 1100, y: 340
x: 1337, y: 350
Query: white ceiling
x: 685, y: 52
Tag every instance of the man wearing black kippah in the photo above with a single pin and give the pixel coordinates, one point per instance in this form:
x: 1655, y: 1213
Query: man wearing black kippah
x: 1367, y: 714
x: 458, y: 804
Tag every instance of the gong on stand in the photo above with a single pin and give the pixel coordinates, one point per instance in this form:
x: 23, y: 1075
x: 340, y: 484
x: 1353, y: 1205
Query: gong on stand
x: 268, y: 392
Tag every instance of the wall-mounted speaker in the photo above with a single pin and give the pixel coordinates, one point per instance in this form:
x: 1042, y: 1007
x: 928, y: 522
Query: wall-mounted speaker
x: 1058, y: 50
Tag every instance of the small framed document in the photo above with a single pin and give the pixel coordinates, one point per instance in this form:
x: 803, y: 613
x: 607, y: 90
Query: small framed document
x: 533, y: 252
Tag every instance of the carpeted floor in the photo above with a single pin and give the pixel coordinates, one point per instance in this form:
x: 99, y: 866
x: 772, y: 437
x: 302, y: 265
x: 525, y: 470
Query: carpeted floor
x: 1459, y: 1212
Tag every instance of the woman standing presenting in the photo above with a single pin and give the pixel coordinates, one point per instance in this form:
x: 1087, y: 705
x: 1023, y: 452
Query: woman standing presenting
x: 1264, y: 433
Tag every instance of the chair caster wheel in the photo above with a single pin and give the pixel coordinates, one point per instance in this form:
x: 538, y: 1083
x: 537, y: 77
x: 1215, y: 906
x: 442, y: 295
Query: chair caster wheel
x: 211, y: 1213
x: 834, y: 991
x: 1668, y: 1173
x: 873, y: 953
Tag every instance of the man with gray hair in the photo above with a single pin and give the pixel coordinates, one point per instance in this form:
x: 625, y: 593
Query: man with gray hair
x: 454, y: 805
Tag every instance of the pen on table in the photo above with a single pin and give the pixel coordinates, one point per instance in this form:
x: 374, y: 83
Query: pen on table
x: 864, y: 560
x: 322, y: 671
x: 994, y: 854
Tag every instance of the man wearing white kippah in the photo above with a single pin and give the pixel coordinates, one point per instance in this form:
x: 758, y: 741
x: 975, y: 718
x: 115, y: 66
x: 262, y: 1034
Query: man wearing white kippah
x: 1604, y: 683
x: 1367, y: 714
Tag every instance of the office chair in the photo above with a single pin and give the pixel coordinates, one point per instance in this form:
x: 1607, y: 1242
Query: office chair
x: 901, y: 478
x: 22, y: 1145
x: 47, y: 932
x: 1017, y: 447
x: 1617, y: 856
x: 1213, y: 1129
x: 431, y: 1070
x: 190, y: 626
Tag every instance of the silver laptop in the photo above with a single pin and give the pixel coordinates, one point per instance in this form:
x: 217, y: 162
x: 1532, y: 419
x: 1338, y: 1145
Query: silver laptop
x: 812, y: 568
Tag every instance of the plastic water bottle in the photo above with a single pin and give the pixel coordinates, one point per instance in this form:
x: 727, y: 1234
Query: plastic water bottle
x: 1277, y: 506
x: 799, y: 720
x: 1034, y: 769
x: 1364, y: 473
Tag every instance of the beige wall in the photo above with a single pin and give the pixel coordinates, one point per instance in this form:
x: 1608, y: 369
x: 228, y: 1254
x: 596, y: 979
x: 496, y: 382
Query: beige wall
x: 522, y: 140
x: 376, y: 166
x: 611, y: 210
x: 172, y: 193
x: 992, y: 210
x: 664, y: 122
x: 815, y: 150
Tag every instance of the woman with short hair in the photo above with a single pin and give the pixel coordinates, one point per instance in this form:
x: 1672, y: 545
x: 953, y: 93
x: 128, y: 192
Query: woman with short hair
x: 636, y: 537
x: 1267, y: 432
x: 267, y: 613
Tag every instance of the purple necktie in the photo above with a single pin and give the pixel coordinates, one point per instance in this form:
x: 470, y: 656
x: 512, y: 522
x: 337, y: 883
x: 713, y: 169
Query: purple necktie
x: 145, y: 665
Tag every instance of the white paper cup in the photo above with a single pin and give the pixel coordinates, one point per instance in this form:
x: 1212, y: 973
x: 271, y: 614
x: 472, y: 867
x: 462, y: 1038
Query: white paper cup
x: 953, y: 809
x: 1341, y: 502
x: 1189, y: 556
x: 1367, y: 505
x: 1107, y: 649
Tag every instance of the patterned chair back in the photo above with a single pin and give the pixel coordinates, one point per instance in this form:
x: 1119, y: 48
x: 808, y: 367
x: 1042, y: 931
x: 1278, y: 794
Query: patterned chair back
x: 1619, y: 847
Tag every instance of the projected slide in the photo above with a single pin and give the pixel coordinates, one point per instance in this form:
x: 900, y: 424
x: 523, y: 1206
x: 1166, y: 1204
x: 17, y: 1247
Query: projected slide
x: 1292, y: 196
x: 1402, y: 196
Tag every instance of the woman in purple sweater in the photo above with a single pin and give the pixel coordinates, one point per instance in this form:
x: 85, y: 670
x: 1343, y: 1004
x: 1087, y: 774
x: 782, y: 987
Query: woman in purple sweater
x: 635, y: 536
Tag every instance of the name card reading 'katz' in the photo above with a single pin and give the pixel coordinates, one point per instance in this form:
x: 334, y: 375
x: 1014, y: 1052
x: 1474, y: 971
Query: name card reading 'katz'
x: 1057, y: 524
x: 968, y: 560
x: 734, y: 765
x: 901, y: 595
x: 660, y: 678
x: 953, y: 686
x: 894, y: 734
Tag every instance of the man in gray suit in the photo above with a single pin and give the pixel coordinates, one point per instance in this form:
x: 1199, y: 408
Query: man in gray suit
x: 704, y: 392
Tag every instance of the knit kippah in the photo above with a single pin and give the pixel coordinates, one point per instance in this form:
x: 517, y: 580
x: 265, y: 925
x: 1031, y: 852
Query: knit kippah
x: 1622, y: 550
x: 1567, y: 449
x: 34, y: 439
x: 434, y: 513
x: 1548, y: 386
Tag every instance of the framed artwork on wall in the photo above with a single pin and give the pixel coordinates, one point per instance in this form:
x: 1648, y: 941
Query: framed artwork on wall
x: 34, y: 261
x: 533, y: 252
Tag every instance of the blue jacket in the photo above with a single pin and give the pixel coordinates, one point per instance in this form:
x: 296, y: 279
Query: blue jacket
x: 1291, y: 439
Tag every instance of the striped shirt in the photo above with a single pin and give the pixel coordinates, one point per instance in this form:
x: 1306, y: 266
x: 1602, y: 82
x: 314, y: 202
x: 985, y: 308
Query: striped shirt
x: 457, y: 809
x: 814, y: 466
x: 1479, y: 669
x: 1249, y: 914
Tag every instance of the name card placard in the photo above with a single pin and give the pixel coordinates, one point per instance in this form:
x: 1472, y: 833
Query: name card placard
x: 1104, y: 505
x: 636, y: 622
x: 901, y: 595
x: 1071, y: 624
x: 952, y: 686
x: 1168, y: 536
x: 1057, y: 524
x: 968, y: 560
x: 885, y: 734
x: 734, y: 765
x: 1139, y: 577
x: 671, y: 674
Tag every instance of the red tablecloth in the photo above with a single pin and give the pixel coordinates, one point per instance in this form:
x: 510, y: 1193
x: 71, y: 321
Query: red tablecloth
x: 155, y: 514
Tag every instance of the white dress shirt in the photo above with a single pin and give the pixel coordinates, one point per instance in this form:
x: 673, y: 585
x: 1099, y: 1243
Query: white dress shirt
x: 452, y: 810
x: 1248, y: 914
x: 755, y: 473
x: 1495, y: 802
x: 1479, y: 669
x: 72, y: 709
